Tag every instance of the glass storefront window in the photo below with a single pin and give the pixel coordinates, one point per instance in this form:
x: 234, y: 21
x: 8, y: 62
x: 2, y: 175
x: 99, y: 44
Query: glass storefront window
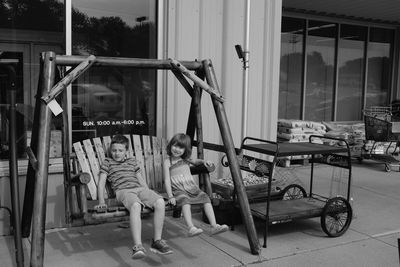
x: 379, y: 67
x: 110, y: 100
x: 320, y: 70
x: 32, y: 15
x: 27, y: 27
x: 350, y: 77
x: 360, y: 81
x: 291, y: 68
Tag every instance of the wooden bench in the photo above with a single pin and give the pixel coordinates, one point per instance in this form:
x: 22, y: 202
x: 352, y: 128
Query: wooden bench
x: 87, y: 158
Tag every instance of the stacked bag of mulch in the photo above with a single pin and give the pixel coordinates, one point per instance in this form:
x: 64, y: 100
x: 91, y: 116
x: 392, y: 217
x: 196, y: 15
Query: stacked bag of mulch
x: 295, y: 131
x: 353, y: 134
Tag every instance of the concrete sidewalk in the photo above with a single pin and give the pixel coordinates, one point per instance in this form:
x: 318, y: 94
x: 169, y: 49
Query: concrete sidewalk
x: 370, y: 241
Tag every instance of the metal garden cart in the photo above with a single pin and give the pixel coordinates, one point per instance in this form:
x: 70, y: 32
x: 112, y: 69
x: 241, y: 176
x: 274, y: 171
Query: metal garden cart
x: 381, y: 126
x: 335, y: 212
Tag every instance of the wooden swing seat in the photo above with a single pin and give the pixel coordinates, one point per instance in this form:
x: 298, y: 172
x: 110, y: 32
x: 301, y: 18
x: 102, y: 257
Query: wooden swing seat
x: 87, y: 157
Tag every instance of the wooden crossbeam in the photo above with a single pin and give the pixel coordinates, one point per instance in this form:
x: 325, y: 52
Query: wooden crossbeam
x: 214, y: 93
x: 32, y: 158
x: 68, y: 79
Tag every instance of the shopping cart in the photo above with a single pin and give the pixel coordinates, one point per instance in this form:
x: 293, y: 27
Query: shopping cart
x: 382, y: 127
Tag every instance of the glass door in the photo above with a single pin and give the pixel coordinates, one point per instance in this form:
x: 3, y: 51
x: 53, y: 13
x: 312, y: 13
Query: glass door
x: 14, y: 56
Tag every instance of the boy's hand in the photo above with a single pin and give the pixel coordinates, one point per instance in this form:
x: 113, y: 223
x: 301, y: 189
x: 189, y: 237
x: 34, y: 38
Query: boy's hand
x: 101, y: 208
x: 172, y: 201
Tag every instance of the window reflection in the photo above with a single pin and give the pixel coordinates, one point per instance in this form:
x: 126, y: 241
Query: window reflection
x: 350, y: 79
x: 320, y: 70
x: 361, y: 81
x: 11, y: 68
x: 106, y: 101
x: 379, y: 66
x: 32, y: 15
x: 28, y: 28
x: 110, y: 100
x: 290, y: 68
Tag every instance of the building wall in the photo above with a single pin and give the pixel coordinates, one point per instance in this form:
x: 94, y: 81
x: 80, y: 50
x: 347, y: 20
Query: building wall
x: 204, y: 29
x: 208, y: 29
x: 55, y: 206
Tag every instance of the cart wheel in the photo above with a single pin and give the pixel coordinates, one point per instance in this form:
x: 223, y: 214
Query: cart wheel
x: 336, y: 216
x: 293, y: 191
x: 387, y: 168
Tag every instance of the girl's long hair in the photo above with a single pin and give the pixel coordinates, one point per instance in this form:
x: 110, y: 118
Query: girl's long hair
x: 181, y: 140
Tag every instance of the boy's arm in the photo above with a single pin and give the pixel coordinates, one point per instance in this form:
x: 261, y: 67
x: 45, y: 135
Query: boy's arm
x: 101, y: 188
x: 141, y: 179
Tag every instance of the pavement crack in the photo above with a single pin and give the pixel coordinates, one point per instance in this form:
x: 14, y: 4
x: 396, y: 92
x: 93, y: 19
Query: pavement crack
x: 226, y: 253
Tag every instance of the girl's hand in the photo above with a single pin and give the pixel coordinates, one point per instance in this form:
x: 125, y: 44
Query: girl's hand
x: 208, y: 163
x: 172, y: 201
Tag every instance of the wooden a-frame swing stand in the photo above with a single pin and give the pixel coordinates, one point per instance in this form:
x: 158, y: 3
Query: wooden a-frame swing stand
x: 34, y: 208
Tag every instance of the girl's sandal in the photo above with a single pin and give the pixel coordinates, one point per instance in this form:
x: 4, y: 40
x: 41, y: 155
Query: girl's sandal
x: 195, y: 231
x: 219, y: 229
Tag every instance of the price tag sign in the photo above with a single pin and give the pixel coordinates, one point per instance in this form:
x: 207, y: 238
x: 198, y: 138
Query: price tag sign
x: 54, y: 107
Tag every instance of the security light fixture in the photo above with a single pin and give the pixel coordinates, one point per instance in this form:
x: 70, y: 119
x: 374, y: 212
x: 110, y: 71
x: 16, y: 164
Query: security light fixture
x: 239, y: 51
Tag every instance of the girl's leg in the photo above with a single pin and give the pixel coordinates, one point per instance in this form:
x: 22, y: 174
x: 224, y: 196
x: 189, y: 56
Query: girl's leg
x: 187, y: 215
x: 136, y: 223
x: 215, y: 228
x: 209, y: 211
x: 159, y: 214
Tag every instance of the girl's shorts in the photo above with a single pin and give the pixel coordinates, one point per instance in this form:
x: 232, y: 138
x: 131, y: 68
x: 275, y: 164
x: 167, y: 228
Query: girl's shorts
x: 146, y: 197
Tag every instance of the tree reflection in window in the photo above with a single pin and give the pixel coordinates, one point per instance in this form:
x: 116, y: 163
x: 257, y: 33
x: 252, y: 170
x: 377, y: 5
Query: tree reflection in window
x: 110, y: 100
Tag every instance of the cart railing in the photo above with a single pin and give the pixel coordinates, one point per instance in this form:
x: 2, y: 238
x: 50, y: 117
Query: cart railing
x: 381, y: 125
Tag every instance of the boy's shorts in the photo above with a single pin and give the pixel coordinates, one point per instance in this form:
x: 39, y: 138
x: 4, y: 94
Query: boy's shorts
x: 146, y: 197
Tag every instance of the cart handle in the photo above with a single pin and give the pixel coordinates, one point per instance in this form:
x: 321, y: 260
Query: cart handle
x: 330, y: 138
x: 255, y: 139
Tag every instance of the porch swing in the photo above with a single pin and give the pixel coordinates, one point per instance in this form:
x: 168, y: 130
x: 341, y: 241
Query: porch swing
x: 46, y: 103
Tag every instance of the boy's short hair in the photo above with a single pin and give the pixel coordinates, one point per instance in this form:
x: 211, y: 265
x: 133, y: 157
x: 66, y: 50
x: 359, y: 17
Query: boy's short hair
x: 120, y: 139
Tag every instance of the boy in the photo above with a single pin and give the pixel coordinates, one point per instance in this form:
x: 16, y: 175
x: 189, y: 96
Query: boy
x: 131, y: 189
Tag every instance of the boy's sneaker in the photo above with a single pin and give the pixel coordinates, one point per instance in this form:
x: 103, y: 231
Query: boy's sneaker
x: 219, y: 229
x: 138, y: 251
x: 195, y: 231
x: 160, y: 247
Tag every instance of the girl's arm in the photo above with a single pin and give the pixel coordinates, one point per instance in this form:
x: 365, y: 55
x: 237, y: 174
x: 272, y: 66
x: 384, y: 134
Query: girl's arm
x: 196, y: 162
x: 167, y: 182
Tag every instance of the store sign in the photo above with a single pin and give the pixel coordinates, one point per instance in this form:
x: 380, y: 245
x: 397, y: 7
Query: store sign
x: 113, y: 122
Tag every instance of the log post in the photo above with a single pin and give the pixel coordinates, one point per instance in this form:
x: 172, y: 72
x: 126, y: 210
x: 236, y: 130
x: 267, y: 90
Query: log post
x: 205, y: 177
x: 41, y: 175
x: 233, y: 162
x: 66, y: 160
x: 13, y: 164
x: 30, y: 176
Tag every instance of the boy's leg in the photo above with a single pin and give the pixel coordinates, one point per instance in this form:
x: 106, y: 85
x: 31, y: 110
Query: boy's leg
x: 159, y: 245
x: 152, y: 199
x: 130, y: 199
x: 159, y: 214
x: 136, y: 222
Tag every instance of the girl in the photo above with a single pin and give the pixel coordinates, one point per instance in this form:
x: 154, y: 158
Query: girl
x: 181, y: 188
